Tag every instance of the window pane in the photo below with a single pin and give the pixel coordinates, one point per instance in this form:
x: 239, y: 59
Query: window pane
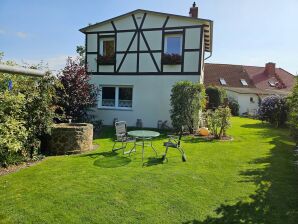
x: 174, y: 45
x: 108, y: 96
x: 125, y: 97
x: 108, y: 48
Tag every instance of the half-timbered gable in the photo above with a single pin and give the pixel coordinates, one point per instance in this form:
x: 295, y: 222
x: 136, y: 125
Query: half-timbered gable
x: 141, y: 38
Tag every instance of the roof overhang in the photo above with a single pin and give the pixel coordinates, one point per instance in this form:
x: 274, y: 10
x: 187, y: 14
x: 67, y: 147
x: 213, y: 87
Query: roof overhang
x: 207, y: 25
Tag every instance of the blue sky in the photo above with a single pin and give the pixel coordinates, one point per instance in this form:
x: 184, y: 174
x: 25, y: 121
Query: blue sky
x: 250, y: 32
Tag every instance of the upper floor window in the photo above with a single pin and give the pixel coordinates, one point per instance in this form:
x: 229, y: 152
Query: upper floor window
x: 108, y: 47
x: 223, y: 81
x: 173, y: 44
x: 107, y: 51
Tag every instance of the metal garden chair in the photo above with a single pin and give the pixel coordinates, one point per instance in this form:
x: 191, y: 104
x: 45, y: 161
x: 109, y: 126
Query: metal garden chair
x: 122, y: 137
x: 174, y: 142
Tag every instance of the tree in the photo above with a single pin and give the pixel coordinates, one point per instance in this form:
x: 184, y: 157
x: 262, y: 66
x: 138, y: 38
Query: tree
x: 293, y: 113
x: 187, y: 99
x: 78, y: 95
x: 81, y: 51
x: 216, y: 96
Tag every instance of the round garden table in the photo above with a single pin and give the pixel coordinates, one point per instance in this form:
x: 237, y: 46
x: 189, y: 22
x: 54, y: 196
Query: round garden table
x: 143, y: 135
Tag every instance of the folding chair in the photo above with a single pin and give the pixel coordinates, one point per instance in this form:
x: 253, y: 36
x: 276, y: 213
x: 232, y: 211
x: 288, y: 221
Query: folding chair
x: 121, y: 137
x: 174, y: 142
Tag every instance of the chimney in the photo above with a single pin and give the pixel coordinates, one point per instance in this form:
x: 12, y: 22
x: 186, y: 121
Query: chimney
x: 194, y: 11
x: 270, y: 69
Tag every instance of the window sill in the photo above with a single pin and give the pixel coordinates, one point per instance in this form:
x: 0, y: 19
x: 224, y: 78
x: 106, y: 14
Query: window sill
x: 115, y: 108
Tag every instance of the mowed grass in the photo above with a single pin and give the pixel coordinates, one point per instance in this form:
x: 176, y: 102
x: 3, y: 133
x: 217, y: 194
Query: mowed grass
x: 253, y: 179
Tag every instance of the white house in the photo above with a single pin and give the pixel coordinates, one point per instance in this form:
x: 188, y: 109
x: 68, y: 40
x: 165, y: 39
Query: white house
x: 248, y: 85
x: 137, y: 57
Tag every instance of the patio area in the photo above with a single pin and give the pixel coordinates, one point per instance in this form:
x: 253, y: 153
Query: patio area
x: 252, y: 179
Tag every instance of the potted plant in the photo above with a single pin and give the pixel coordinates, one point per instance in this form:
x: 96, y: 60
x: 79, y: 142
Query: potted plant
x: 106, y: 59
x: 171, y: 59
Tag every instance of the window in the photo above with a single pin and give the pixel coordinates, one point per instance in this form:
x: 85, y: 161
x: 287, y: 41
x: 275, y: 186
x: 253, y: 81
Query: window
x: 223, y: 81
x: 116, y: 97
x: 108, y: 97
x: 252, y: 100
x: 173, y: 44
x: 243, y: 81
x: 108, y: 47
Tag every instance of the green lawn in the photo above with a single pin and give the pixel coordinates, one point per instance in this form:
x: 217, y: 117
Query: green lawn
x: 252, y: 179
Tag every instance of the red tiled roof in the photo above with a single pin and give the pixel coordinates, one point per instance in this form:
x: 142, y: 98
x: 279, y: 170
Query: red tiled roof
x: 232, y: 74
x: 254, y: 76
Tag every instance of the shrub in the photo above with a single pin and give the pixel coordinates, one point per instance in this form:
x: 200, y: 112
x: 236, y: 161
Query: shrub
x: 187, y: 99
x: 219, y: 121
x: 234, y: 106
x: 77, y: 95
x: 26, y: 114
x: 216, y: 96
x: 293, y: 112
x: 274, y: 109
x: 13, y: 133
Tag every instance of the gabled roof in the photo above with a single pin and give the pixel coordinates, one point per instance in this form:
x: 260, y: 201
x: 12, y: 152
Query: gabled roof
x: 208, y: 29
x: 255, y: 76
x: 232, y: 74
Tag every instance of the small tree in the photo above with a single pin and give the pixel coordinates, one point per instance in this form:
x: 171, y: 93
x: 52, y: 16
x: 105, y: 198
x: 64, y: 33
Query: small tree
x: 219, y: 121
x: 274, y: 109
x: 216, y: 96
x: 187, y: 99
x: 78, y: 94
x: 293, y: 114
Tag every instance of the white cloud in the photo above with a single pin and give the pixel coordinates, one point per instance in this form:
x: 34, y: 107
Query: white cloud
x: 22, y: 35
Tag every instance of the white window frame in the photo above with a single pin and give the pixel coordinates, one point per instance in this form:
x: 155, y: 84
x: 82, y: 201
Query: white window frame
x: 173, y: 35
x: 116, y: 107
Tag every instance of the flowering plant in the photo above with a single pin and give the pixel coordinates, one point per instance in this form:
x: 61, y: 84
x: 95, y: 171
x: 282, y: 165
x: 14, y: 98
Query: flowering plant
x: 106, y: 59
x: 171, y: 59
x: 274, y: 110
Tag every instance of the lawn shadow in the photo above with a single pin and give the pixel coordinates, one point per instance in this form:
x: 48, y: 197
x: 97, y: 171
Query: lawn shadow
x: 108, y: 159
x: 153, y: 161
x: 198, y: 139
x: 276, y: 197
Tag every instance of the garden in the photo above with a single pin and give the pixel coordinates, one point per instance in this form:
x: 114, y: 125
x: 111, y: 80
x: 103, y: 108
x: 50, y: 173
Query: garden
x: 244, y: 170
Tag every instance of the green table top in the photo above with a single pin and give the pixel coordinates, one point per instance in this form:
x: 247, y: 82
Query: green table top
x: 143, y: 134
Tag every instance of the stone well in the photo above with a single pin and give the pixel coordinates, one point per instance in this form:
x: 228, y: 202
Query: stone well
x: 70, y: 138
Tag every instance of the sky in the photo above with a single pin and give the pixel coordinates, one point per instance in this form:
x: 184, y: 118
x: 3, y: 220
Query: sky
x: 247, y: 32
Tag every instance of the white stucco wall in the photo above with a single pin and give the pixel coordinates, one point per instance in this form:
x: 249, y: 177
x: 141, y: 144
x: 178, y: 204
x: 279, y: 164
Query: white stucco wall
x: 244, y: 102
x: 151, y: 97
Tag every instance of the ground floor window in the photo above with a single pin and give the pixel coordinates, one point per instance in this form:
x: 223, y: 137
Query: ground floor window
x: 116, y: 97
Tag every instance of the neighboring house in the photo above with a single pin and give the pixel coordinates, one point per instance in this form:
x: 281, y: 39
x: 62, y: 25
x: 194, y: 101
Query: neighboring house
x: 137, y: 57
x: 249, y: 84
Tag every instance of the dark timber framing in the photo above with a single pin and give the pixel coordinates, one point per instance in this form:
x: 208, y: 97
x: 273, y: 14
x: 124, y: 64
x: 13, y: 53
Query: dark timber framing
x: 139, y: 33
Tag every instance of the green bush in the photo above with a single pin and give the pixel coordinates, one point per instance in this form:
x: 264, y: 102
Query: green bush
x: 293, y: 113
x: 218, y: 121
x: 13, y: 133
x: 26, y: 114
x: 187, y: 99
x: 216, y: 96
x: 234, y: 106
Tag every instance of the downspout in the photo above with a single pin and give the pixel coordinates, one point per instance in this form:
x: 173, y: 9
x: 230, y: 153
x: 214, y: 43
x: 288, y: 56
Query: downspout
x: 208, y: 56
